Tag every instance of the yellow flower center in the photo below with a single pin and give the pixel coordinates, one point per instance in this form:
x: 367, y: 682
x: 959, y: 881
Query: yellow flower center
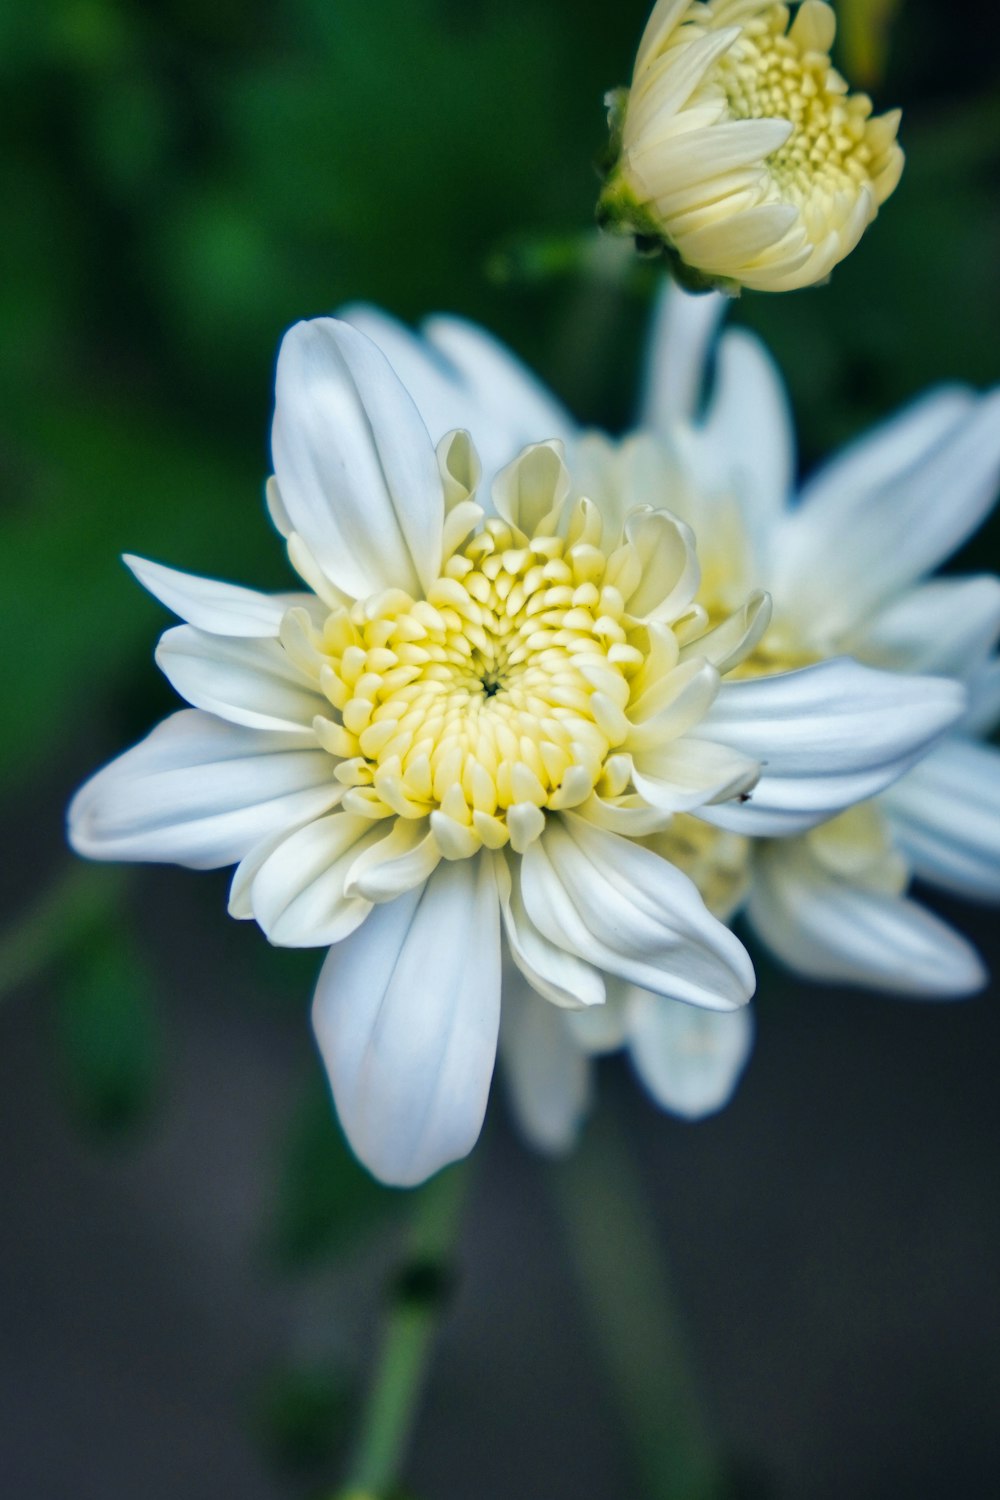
x: 768, y: 74
x: 498, y: 696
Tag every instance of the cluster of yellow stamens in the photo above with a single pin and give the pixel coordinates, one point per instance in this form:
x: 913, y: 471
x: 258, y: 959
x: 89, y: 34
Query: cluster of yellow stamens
x: 499, y: 695
x: 770, y: 73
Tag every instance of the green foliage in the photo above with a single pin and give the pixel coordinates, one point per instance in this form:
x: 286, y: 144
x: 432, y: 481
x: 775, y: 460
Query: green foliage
x: 108, y: 1032
x: 303, y: 1413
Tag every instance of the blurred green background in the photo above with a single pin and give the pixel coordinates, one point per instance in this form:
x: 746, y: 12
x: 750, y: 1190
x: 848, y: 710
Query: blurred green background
x: 179, y: 183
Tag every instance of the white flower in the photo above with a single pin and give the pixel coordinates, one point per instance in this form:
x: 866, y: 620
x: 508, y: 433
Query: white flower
x: 740, y: 148
x: 847, y: 562
x: 462, y: 739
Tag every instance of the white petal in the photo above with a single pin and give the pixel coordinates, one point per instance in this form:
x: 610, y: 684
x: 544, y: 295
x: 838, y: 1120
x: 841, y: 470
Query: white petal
x: 509, y: 395
x: 665, y: 548
x: 825, y: 928
x: 404, y: 859
x: 356, y: 468
x: 690, y: 1059
x: 844, y: 552
x: 406, y: 1016
x: 298, y: 894
x: 696, y: 157
x: 945, y: 626
x: 625, y: 910
x: 732, y: 641
x: 983, y: 714
x: 664, y: 18
x: 690, y: 772
x: 683, y: 328
x: 748, y: 437
x: 249, y: 682
x: 547, y: 1076
x: 561, y: 978
x: 201, y: 793
x: 218, y: 608
x: 945, y: 818
x: 827, y: 736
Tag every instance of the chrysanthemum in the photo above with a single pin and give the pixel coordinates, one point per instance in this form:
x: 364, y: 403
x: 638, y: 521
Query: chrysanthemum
x: 830, y: 900
x: 463, y: 741
x: 847, y: 563
x: 740, y: 150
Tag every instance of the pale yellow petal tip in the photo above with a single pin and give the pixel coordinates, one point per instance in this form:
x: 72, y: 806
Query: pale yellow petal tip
x: 698, y: 170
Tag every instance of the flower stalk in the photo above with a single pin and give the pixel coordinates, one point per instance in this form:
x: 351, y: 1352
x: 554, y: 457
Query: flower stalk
x: 418, y: 1295
x: 634, y: 1321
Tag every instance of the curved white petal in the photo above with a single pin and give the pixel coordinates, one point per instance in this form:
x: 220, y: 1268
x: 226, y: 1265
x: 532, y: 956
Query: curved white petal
x: 826, y: 736
x: 560, y: 977
x: 406, y: 857
x: 623, y: 909
x: 747, y: 440
x: 681, y: 335
x: 946, y: 626
x: 354, y: 462
x: 847, y: 549
x: 945, y: 818
x: 406, y: 1015
x: 690, y: 1059
x: 298, y: 892
x: 546, y: 1074
x: 199, y: 792
x: 217, y: 608
x: 250, y: 682
x: 690, y: 772
x: 826, y: 928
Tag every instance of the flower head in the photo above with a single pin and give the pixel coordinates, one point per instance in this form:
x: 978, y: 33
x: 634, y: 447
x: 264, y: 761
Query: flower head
x: 846, y: 561
x: 463, y: 740
x: 740, y: 151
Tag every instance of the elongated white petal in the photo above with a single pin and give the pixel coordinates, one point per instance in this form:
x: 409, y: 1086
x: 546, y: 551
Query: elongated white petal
x: 546, y: 1074
x: 690, y: 1059
x: 945, y: 818
x: 681, y: 335
x: 501, y: 386
x: 406, y: 1015
x: 983, y: 714
x: 945, y: 626
x: 560, y: 977
x: 298, y: 894
x: 691, y: 772
x: 623, y: 909
x: 217, y: 608
x: 826, y: 928
x: 827, y: 736
x: 843, y: 554
x: 748, y: 437
x: 250, y: 682
x: 356, y: 468
x: 199, y: 792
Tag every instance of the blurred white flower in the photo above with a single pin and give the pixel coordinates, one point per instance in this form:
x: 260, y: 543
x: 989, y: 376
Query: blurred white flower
x: 846, y: 561
x: 463, y: 737
x: 740, y: 148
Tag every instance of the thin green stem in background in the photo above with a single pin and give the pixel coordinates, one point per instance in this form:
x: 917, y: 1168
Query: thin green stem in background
x: 636, y: 1326
x: 47, y: 930
x: 418, y: 1296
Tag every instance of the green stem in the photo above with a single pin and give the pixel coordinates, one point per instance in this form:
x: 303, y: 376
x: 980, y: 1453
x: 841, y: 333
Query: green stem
x: 418, y: 1297
x: 63, y: 914
x: 637, y: 1327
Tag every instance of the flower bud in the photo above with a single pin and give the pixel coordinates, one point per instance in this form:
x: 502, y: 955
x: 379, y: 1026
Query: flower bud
x: 738, y: 151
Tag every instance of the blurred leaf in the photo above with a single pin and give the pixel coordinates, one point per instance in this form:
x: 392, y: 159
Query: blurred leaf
x: 107, y: 1032
x: 303, y: 1415
x: 326, y: 1202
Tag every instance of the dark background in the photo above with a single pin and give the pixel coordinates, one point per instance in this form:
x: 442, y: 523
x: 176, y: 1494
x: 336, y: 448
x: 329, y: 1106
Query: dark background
x: 190, y: 1265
